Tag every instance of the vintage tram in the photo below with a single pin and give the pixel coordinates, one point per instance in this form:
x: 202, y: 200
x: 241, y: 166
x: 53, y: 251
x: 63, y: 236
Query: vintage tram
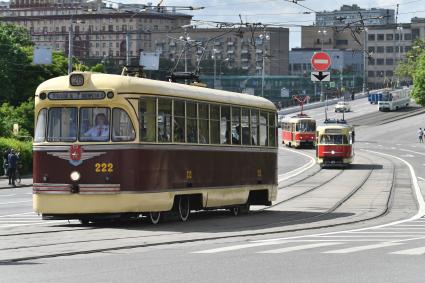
x: 298, y: 131
x: 334, y: 143
x: 120, y: 146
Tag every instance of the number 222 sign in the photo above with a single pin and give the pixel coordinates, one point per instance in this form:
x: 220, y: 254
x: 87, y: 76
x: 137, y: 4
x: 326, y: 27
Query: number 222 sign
x: 104, y: 167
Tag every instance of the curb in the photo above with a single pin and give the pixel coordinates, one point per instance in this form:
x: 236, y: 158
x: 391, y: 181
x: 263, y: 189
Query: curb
x: 17, y: 187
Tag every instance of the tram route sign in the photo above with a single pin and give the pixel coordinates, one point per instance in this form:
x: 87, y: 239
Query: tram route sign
x: 320, y: 61
x: 320, y: 76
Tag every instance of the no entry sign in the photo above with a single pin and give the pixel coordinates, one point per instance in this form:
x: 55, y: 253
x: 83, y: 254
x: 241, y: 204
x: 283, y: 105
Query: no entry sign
x: 320, y: 61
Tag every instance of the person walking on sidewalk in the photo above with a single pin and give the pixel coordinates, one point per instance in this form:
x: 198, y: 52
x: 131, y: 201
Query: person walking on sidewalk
x: 421, y: 135
x: 5, y: 162
x: 13, y: 162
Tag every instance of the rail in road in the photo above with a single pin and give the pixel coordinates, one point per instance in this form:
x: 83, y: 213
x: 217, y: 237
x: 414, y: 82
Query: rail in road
x: 327, y: 198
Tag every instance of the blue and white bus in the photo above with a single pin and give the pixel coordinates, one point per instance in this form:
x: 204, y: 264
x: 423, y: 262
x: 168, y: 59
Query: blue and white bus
x: 394, y: 100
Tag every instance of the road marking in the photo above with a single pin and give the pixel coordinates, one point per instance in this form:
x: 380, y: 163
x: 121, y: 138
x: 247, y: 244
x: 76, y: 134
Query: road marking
x: 362, y: 248
x: 299, y: 170
x: 419, y: 214
x: 25, y: 213
x: 238, y: 247
x: 13, y: 202
x: 299, y: 248
x: 415, y: 251
x: 407, y: 155
x: 412, y: 151
x: 420, y: 178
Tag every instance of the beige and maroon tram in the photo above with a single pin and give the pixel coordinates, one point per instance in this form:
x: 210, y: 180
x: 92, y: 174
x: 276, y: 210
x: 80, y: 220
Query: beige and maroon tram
x: 334, y: 146
x: 111, y: 145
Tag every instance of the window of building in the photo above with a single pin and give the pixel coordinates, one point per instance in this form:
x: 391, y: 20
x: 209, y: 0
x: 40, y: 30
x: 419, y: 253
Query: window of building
x: 389, y: 73
x: 389, y: 61
x: 380, y: 37
x: 389, y: 36
x: 371, y: 49
x: 147, y: 114
x: 389, y: 49
x: 371, y: 37
x: 379, y: 61
x: 371, y: 61
x: 407, y: 36
x: 341, y: 42
x: 380, y: 49
x: 371, y: 74
x: 407, y: 48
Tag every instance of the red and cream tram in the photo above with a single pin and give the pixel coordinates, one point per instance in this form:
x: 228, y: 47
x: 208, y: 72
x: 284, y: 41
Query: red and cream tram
x: 299, y: 130
x: 110, y: 145
x: 334, y: 143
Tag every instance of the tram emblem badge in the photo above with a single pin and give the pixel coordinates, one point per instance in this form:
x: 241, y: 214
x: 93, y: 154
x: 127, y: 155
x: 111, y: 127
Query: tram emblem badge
x: 76, y: 154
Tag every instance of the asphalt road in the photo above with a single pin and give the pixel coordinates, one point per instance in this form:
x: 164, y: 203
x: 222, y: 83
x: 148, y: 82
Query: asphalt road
x: 363, y: 224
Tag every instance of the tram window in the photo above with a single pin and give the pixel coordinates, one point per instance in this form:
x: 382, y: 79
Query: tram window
x: 305, y: 126
x: 254, y: 127
x: 62, y: 125
x: 236, y: 125
x: 192, y: 122
x: 263, y: 128
x: 272, y: 129
x: 203, y: 123
x: 215, y: 124
x: 94, y: 124
x: 246, y: 139
x: 123, y: 129
x: 164, y: 120
x: 40, y: 128
x: 333, y: 139
x: 179, y: 121
x: 225, y: 125
x: 147, y: 114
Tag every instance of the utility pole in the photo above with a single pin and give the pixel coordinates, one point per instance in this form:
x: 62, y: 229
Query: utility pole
x: 364, y: 59
x: 263, y: 72
x: 70, y: 38
x: 215, y: 67
x: 127, y: 49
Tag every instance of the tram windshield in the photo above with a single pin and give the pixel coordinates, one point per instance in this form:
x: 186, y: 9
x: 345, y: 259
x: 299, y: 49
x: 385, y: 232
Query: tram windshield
x: 62, y: 124
x: 94, y: 124
x: 306, y: 126
x: 333, y: 139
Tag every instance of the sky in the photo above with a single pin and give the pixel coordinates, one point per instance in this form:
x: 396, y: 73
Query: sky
x: 284, y: 13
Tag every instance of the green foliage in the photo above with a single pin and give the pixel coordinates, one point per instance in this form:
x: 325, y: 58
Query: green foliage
x: 407, y: 68
x: 418, y: 92
x: 98, y: 68
x: 22, y: 114
x: 24, y: 149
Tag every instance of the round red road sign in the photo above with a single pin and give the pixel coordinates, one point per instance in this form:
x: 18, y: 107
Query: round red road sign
x: 320, y: 61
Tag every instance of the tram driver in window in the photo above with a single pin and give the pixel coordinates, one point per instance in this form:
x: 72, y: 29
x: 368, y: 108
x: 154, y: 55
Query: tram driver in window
x: 100, y: 131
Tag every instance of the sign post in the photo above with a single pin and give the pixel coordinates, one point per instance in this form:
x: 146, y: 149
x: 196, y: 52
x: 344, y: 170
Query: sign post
x: 320, y: 62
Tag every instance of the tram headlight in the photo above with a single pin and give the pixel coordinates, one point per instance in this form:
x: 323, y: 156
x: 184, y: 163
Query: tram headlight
x: 333, y: 152
x: 75, y: 176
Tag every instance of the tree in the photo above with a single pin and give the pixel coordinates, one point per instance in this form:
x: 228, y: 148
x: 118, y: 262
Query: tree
x: 418, y: 92
x: 407, y: 68
x: 23, y: 115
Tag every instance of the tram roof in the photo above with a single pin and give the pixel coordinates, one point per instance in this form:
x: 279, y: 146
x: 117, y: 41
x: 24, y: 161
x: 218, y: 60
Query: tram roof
x: 141, y: 86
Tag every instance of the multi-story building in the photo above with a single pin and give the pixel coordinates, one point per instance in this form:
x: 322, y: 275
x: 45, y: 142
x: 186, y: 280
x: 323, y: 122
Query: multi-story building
x: 242, y: 49
x: 354, y: 15
x: 100, y: 33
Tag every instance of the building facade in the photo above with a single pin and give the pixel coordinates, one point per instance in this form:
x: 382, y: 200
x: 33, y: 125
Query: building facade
x: 354, y: 15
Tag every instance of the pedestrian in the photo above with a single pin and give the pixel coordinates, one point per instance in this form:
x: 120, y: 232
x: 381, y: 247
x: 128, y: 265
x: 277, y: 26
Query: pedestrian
x: 12, y: 164
x: 420, y: 135
x: 5, y: 162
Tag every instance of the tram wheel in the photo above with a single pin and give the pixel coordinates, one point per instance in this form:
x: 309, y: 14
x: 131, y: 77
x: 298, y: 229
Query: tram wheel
x: 184, y: 208
x: 84, y: 221
x: 235, y: 210
x: 155, y: 217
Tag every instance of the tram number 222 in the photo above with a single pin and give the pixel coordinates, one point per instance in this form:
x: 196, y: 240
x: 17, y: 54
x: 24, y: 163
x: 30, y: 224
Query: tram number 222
x: 104, y: 167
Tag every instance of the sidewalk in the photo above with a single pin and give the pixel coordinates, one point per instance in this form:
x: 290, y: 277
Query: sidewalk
x: 26, y: 182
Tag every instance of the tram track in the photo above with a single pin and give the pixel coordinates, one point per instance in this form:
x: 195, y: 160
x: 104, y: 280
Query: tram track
x: 347, y: 197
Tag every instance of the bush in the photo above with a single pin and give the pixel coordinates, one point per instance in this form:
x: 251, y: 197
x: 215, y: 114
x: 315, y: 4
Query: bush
x: 24, y: 149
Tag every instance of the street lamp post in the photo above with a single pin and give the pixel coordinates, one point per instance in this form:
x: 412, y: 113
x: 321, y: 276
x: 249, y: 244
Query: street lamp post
x: 263, y: 38
x: 400, y: 28
x: 70, y: 36
x: 364, y: 59
x: 322, y: 33
x: 215, y: 66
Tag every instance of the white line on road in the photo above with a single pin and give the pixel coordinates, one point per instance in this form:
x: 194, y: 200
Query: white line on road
x: 299, y: 170
x: 238, y: 247
x: 415, y: 251
x: 25, y: 213
x: 362, y: 248
x: 299, y: 248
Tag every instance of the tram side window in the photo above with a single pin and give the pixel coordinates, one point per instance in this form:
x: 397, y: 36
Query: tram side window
x: 263, y: 128
x: 236, y: 125
x: 123, y: 129
x: 255, y: 127
x: 215, y: 124
x: 225, y: 132
x: 246, y: 138
x: 40, y: 128
x: 203, y: 123
x: 147, y: 114
x: 192, y: 122
x: 179, y: 121
x: 272, y: 129
x: 62, y: 125
x: 164, y: 120
x: 94, y: 124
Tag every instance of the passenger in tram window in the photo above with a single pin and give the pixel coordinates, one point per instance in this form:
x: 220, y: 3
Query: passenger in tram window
x: 100, y: 131
x: 178, y: 131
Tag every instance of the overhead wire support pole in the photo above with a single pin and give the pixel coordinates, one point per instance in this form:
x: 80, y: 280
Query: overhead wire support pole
x: 70, y: 51
x: 127, y: 49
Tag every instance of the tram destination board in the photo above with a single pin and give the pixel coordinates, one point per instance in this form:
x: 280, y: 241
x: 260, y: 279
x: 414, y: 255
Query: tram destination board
x: 77, y: 95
